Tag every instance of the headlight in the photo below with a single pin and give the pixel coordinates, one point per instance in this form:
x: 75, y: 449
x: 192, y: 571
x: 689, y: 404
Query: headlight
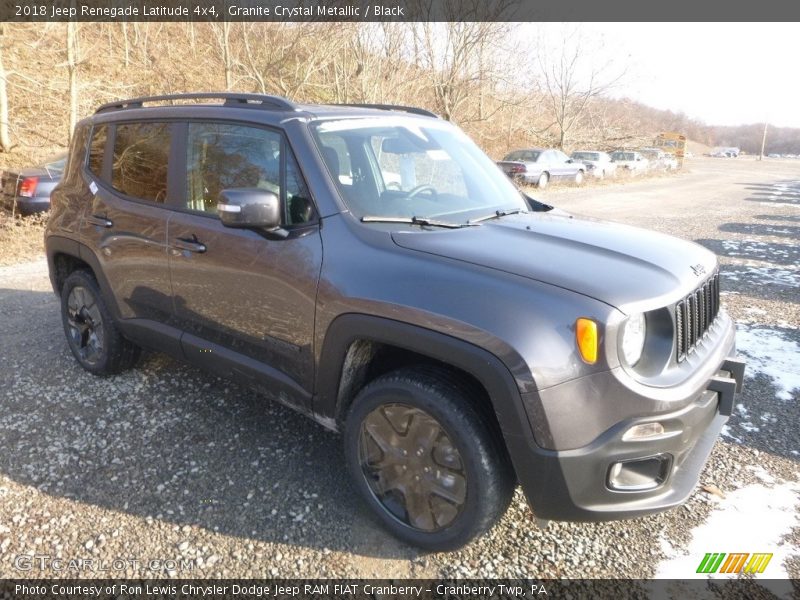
x: 633, y: 335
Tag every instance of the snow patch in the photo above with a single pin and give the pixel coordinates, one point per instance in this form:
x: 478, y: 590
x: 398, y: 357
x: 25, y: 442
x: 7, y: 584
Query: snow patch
x: 761, y: 276
x: 761, y: 474
x: 780, y: 204
x: 755, y: 518
x: 726, y: 433
x: 772, y: 354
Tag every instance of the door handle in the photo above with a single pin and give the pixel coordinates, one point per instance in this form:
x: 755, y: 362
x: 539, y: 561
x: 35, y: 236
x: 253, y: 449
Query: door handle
x: 100, y: 221
x: 192, y: 245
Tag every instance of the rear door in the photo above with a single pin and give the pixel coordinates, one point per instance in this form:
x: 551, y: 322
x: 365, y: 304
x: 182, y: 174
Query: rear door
x: 126, y: 224
x: 245, y: 297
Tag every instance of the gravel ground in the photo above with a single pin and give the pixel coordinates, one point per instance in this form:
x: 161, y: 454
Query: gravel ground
x: 166, y: 471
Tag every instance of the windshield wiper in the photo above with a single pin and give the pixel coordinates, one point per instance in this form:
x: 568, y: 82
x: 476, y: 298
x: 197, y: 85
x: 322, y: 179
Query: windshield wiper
x: 499, y: 213
x: 416, y: 221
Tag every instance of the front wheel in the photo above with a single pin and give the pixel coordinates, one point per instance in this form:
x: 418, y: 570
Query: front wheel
x: 579, y: 178
x: 424, y: 459
x: 92, y: 335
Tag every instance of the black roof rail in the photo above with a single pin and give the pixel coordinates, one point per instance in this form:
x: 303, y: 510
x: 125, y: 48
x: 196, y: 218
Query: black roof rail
x: 230, y: 98
x: 399, y: 107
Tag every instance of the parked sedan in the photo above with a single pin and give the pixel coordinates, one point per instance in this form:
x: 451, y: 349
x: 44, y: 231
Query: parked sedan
x: 597, y: 163
x: 539, y: 166
x: 29, y: 189
x: 659, y: 160
x: 633, y: 162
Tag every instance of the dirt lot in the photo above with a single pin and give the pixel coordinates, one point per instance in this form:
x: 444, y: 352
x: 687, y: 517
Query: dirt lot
x: 166, y: 463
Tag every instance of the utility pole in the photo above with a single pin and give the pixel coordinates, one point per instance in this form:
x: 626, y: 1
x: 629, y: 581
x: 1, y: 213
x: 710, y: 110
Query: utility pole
x: 763, y: 142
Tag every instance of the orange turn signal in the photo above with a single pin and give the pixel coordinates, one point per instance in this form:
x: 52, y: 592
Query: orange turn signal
x: 586, y: 338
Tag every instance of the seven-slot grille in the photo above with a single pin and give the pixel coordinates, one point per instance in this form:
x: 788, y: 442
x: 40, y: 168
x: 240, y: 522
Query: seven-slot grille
x: 695, y: 314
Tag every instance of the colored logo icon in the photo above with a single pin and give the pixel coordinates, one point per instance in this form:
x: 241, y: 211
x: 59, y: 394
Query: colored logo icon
x: 716, y: 562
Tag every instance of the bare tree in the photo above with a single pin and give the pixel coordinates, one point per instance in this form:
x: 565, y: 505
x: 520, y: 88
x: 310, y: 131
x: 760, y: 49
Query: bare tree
x: 5, y: 138
x: 222, y: 37
x: 571, y: 79
x: 371, y: 64
x: 287, y: 58
x: 72, y: 69
x: 465, y: 64
x: 127, y: 44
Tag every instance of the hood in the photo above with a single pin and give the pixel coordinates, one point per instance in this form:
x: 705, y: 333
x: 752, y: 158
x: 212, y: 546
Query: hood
x: 625, y: 267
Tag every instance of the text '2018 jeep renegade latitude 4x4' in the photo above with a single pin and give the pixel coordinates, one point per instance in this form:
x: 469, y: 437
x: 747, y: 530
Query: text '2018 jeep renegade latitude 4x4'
x: 372, y: 268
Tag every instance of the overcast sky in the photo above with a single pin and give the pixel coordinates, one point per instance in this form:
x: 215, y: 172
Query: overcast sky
x: 720, y: 73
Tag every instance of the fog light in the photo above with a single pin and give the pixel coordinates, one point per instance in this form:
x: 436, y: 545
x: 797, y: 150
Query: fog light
x: 643, y: 431
x: 640, y: 474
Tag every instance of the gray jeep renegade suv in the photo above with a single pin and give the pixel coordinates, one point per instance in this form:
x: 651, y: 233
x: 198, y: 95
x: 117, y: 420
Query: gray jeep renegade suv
x: 370, y: 267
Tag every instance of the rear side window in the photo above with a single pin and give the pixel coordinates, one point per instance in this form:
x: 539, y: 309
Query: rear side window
x: 141, y: 153
x: 97, y: 149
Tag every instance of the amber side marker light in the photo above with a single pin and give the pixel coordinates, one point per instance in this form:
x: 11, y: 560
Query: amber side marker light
x: 586, y: 338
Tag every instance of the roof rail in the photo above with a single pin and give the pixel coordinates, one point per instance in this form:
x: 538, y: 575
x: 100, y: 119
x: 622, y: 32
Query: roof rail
x: 231, y: 99
x: 399, y: 107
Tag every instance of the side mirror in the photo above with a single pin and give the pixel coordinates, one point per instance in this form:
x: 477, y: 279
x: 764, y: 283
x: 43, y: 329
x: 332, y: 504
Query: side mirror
x: 569, y: 160
x: 249, y: 207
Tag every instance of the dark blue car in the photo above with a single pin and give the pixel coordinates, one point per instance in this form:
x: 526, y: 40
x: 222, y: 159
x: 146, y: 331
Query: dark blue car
x: 27, y: 191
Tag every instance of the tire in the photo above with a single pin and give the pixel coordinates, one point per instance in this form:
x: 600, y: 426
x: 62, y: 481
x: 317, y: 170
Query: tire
x: 446, y: 477
x: 91, y: 333
x: 579, y: 177
x: 543, y: 180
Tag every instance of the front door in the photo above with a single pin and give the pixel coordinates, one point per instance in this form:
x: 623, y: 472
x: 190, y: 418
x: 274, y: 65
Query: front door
x: 245, y: 297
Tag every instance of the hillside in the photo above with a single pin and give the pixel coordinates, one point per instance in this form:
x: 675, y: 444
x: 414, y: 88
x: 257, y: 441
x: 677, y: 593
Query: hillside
x: 503, y: 96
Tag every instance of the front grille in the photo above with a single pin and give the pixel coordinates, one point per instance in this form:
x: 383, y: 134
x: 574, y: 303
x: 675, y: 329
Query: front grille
x: 695, y: 314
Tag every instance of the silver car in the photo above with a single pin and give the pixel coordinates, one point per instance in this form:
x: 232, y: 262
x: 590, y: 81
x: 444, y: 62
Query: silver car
x: 598, y: 164
x: 540, y: 166
x: 632, y: 162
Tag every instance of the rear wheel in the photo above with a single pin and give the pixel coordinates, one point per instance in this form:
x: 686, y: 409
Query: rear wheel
x: 424, y: 459
x: 92, y: 335
x: 543, y: 180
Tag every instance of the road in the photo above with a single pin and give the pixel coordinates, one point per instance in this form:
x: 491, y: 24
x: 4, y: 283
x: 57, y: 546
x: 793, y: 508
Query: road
x: 166, y: 463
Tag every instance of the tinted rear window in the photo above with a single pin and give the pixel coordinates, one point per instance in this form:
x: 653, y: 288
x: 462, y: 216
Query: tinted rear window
x: 141, y: 152
x: 529, y: 155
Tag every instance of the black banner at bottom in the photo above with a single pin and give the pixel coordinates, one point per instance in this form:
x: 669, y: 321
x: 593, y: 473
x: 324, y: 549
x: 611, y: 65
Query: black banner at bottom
x: 399, y: 589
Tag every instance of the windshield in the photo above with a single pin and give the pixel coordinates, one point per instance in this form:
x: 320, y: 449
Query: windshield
x: 586, y: 156
x: 622, y: 156
x: 405, y: 167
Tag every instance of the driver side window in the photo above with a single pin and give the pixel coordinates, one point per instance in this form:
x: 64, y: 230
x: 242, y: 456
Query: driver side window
x: 222, y: 156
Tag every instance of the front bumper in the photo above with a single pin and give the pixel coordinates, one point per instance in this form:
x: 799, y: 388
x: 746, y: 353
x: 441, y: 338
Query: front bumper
x: 574, y: 485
